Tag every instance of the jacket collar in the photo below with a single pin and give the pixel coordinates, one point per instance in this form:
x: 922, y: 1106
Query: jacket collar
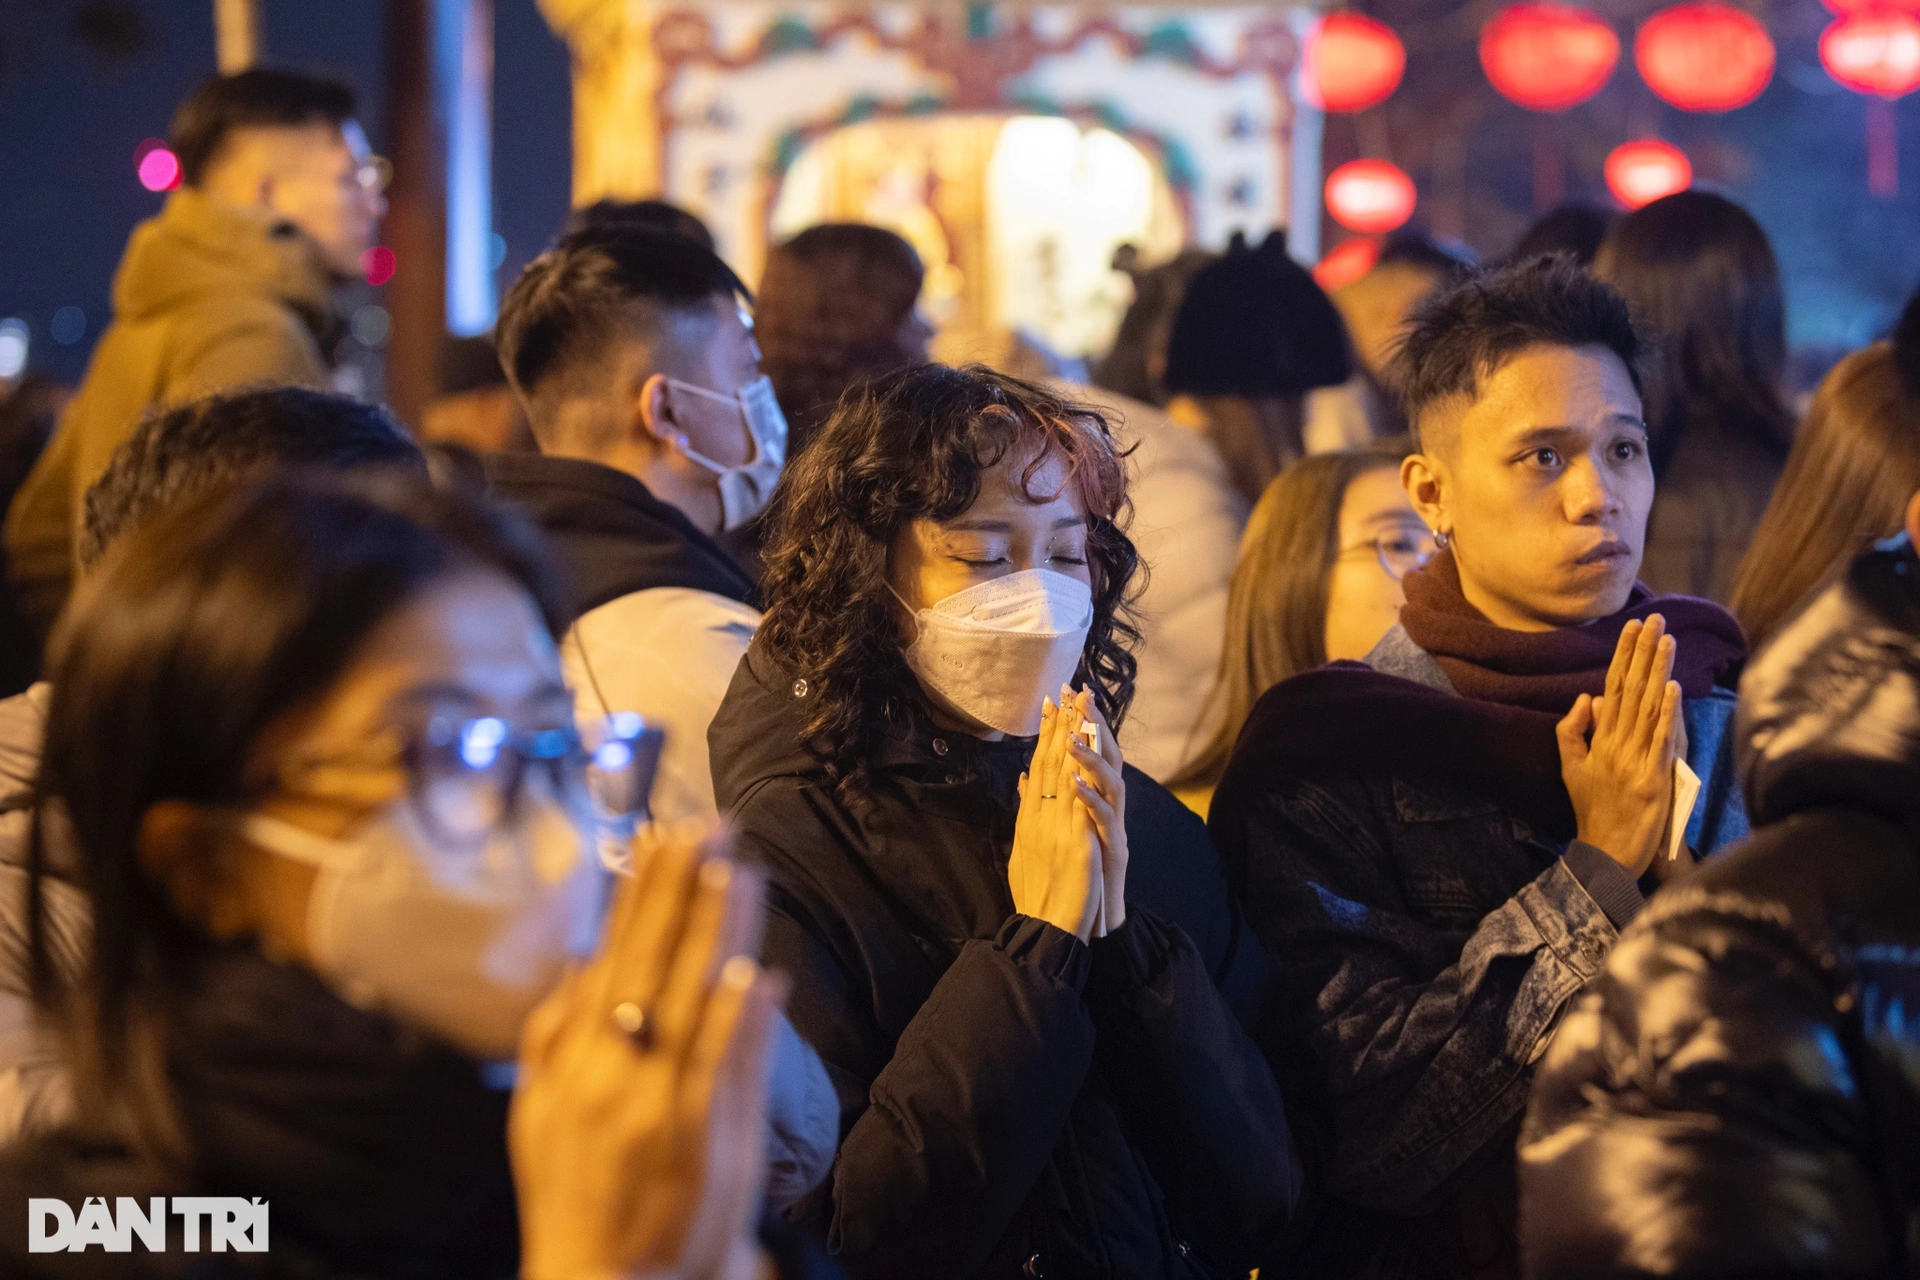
x: 1830, y: 708
x: 612, y: 535
x: 199, y: 247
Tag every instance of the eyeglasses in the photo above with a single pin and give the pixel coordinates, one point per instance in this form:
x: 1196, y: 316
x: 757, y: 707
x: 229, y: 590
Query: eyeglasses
x: 467, y: 777
x: 1400, y: 551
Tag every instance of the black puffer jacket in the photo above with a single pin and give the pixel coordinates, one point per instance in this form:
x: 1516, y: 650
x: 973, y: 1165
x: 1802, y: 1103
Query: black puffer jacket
x: 1013, y: 1101
x: 1739, y: 1093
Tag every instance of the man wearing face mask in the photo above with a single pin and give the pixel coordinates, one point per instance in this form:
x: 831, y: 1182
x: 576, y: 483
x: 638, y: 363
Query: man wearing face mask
x: 634, y: 356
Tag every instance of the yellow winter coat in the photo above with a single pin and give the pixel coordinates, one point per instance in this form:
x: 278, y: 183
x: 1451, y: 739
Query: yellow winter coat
x: 209, y: 296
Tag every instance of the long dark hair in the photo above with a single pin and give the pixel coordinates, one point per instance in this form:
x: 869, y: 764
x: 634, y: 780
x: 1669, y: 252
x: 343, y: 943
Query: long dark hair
x: 1846, y: 483
x: 913, y: 445
x: 1277, y: 605
x: 1705, y: 289
x: 199, y: 629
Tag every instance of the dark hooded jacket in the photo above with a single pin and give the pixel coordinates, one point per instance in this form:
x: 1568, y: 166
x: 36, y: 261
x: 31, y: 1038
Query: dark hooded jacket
x: 1013, y: 1101
x: 610, y: 534
x: 378, y: 1150
x: 1738, y: 1094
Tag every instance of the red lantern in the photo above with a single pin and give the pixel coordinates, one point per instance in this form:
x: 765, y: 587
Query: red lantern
x: 1872, y: 6
x: 1642, y: 171
x: 1346, y: 262
x: 1351, y: 62
x: 1370, y: 196
x: 1548, y: 57
x: 1875, y: 52
x: 1704, y: 57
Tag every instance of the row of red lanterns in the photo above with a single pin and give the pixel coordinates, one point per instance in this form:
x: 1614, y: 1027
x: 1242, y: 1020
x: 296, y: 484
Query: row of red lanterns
x: 1704, y: 55
x: 1373, y: 197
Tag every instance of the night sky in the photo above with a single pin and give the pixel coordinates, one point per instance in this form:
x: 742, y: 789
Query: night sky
x: 73, y: 110
x: 71, y: 118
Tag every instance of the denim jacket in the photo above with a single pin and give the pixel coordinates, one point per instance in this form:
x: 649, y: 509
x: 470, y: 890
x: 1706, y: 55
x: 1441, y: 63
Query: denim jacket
x: 1425, y: 943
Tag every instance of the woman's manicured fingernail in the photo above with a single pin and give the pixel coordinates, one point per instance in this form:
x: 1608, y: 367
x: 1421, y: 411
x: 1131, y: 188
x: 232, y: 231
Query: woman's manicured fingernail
x: 1046, y: 708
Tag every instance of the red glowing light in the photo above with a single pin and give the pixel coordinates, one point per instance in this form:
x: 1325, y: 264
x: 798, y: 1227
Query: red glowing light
x: 1873, y: 6
x: 1706, y: 56
x: 1641, y: 171
x: 378, y: 264
x: 1874, y: 52
x: 1370, y: 196
x: 1548, y: 57
x: 1346, y: 262
x: 157, y: 168
x: 1351, y: 62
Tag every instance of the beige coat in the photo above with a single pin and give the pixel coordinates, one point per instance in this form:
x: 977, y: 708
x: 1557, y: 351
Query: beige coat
x: 209, y: 296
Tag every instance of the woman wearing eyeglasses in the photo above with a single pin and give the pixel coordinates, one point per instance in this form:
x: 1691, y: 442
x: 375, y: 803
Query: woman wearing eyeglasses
x: 338, y: 833
x: 1318, y: 580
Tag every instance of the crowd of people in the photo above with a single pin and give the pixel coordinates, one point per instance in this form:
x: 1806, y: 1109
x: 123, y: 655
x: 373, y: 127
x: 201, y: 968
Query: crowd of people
x: 1422, y: 782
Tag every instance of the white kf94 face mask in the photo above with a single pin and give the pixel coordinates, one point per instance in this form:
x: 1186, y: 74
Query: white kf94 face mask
x: 746, y: 490
x: 996, y: 651
x: 459, y: 943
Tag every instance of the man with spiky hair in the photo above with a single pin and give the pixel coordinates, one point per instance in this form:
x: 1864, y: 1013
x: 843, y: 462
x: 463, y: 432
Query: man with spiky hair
x: 1440, y: 845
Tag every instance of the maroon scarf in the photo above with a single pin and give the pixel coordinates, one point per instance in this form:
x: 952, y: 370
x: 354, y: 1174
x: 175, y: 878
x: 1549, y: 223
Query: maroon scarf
x: 1497, y: 740
x: 1547, y: 670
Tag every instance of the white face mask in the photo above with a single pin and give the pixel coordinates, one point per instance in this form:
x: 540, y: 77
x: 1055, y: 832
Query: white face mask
x: 745, y: 491
x: 996, y: 650
x: 460, y: 944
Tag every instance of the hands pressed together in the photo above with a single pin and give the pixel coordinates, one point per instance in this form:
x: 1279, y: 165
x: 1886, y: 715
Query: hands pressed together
x: 1620, y: 778
x: 1069, y: 860
x: 638, y: 1125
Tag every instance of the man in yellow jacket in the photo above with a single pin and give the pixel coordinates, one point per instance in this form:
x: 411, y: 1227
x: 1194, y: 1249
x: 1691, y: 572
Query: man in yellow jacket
x: 229, y: 285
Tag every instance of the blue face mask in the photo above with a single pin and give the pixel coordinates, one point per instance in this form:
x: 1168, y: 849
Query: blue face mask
x: 746, y: 490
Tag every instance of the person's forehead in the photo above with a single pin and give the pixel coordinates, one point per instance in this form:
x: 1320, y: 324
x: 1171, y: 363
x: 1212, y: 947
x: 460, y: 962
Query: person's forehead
x: 1016, y: 481
x: 1550, y: 386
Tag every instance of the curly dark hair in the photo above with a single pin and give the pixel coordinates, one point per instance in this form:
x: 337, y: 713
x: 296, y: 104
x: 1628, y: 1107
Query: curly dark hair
x: 913, y: 445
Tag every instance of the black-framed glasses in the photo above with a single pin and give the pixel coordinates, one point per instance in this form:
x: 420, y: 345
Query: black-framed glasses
x: 467, y: 776
x: 1400, y: 551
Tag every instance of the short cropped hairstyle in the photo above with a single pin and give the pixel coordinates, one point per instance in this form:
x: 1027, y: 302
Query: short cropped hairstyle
x: 177, y: 455
x: 1464, y: 334
x: 598, y: 282
x: 660, y: 215
x: 261, y: 97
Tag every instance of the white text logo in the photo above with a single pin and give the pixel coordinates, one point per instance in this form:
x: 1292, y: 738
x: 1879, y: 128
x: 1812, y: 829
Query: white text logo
x: 231, y: 1223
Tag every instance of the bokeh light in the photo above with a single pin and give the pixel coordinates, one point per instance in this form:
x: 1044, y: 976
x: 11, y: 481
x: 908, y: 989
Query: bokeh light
x: 69, y: 325
x: 1641, y: 171
x: 378, y: 264
x: 156, y: 166
x: 14, y: 337
x: 1370, y: 196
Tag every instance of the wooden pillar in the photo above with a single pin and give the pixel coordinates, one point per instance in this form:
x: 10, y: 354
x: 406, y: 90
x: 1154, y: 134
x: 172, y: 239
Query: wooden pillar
x: 236, y: 35
x: 616, y: 138
x: 416, y: 226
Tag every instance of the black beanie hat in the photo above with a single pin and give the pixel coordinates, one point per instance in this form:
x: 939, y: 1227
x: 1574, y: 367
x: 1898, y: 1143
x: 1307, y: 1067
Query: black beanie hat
x: 1254, y: 323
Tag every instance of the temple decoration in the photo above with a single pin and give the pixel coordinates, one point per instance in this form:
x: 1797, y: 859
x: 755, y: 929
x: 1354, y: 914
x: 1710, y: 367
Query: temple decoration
x: 1015, y: 148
